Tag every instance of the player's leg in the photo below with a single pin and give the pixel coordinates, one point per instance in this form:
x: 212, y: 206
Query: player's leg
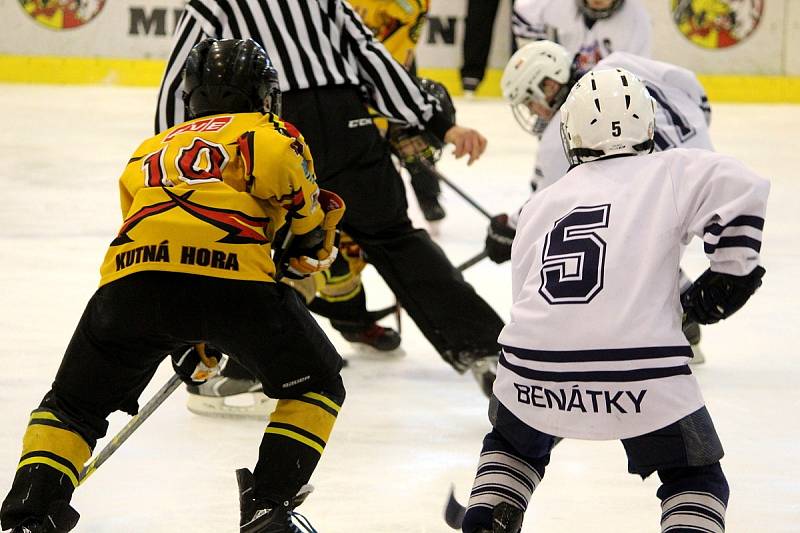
x: 340, y: 297
x: 511, y: 466
x: 686, y: 455
x: 477, y: 42
x: 281, y: 344
x: 427, y: 190
x: 110, y: 359
x: 355, y: 162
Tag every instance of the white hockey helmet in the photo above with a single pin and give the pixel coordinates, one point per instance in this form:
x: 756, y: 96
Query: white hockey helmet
x: 608, y: 112
x: 525, y: 74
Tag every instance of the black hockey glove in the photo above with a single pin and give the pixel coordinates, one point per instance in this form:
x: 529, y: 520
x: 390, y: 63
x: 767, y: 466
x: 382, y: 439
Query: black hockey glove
x: 195, y: 364
x: 499, y: 238
x: 715, y: 296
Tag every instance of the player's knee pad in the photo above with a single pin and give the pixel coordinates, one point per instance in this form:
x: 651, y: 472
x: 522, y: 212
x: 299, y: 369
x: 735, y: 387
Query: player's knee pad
x: 693, y: 499
x: 52, y: 458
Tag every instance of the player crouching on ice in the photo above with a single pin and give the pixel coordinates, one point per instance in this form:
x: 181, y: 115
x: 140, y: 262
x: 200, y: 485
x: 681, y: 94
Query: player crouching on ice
x: 596, y: 254
x: 190, y: 265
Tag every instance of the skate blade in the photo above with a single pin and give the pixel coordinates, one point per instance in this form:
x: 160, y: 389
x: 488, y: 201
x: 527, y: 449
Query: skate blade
x: 244, y: 405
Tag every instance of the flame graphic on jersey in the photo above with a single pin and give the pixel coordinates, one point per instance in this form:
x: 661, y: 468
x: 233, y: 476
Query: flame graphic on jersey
x: 240, y: 228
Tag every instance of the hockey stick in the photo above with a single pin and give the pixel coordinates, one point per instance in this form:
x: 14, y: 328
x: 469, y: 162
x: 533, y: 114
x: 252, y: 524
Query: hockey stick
x: 380, y: 313
x: 144, y: 413
x: 455, y: 187
x: 454, y: 512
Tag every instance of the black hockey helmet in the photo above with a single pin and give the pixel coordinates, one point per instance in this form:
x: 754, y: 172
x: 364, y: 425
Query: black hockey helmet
x: 412, y: 143
x: 596, y: 13
x: 229, y: 76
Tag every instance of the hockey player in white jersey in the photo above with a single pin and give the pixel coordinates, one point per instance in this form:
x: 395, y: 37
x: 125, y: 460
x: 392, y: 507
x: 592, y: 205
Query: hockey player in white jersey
x: 594, y: 348
x: 536, y: 81
x: 589, y: 29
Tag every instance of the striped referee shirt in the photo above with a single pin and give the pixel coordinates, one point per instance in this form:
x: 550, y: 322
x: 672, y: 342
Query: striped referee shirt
x: 312, y: 43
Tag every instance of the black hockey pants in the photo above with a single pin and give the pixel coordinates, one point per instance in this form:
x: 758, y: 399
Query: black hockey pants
x: 129, y: 327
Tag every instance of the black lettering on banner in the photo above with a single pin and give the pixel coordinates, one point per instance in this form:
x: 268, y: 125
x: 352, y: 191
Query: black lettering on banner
x: 442, y: 28
x: 140, y: 22
x: 573, y: 256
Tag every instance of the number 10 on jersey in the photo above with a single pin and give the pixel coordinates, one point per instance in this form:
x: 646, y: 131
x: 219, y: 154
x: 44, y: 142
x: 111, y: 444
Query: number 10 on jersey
x: 574, y: 256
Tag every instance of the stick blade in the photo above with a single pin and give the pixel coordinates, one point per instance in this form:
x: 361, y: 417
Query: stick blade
x: 454, y: 511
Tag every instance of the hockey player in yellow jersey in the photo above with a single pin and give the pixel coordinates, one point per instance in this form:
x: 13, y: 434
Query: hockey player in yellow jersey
x: 397, y: 24
x: 190, y: 268
x: 337, y: 293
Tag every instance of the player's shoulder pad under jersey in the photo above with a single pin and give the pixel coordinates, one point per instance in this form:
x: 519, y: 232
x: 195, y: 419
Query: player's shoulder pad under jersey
x: 287, y: 129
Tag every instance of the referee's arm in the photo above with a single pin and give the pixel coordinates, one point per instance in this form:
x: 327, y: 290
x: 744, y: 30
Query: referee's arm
x: 190, y: 31
x: 392, y: 90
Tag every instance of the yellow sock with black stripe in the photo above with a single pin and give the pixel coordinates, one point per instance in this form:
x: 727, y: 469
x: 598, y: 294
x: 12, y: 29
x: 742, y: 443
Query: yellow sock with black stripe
x: 50, y: 442
x: 308, y: 419
x: 293, y: 443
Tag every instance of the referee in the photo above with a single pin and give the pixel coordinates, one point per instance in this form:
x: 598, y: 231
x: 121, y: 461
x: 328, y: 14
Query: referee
x: 331, y: 68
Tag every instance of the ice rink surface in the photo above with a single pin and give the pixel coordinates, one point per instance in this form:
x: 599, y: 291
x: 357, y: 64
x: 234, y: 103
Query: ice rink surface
x: 410, y: 426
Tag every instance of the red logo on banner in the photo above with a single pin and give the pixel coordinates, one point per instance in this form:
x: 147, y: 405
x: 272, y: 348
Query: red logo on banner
x: 717, y: 23
x: 62, y: 14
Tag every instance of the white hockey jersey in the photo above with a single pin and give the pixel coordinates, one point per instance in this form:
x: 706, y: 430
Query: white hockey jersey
x: 627, y: 30
x: 594, y: 347
x: 682, y: 113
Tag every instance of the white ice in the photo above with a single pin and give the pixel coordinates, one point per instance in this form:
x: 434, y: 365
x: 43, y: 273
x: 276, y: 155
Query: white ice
x: 410, y: 426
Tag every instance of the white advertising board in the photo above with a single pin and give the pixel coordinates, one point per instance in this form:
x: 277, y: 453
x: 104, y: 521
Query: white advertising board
x: 746, y: 36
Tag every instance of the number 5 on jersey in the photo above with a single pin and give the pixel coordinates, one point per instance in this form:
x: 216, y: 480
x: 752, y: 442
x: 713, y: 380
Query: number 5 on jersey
x: 574, y: 256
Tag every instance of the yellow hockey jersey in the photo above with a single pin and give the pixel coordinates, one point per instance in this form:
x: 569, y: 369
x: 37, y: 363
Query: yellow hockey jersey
x: 206, y: 197
x: 396, y: 23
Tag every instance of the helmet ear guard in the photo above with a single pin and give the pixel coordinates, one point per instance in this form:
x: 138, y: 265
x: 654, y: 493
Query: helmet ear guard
x: 607, y: 113
x: 229, y: 76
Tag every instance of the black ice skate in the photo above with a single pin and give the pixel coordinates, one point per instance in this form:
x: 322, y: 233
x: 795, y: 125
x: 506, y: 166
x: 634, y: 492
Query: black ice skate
x: 482, y: 365
x: 61, y: 518
x: 505, y: 519
x: 378, y: 337
x: 431, y: 209
x: 484, y: 370
x: 269, y: 517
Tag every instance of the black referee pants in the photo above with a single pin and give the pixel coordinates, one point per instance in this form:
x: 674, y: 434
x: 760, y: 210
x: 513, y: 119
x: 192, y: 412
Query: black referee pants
x: 353, y: 160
